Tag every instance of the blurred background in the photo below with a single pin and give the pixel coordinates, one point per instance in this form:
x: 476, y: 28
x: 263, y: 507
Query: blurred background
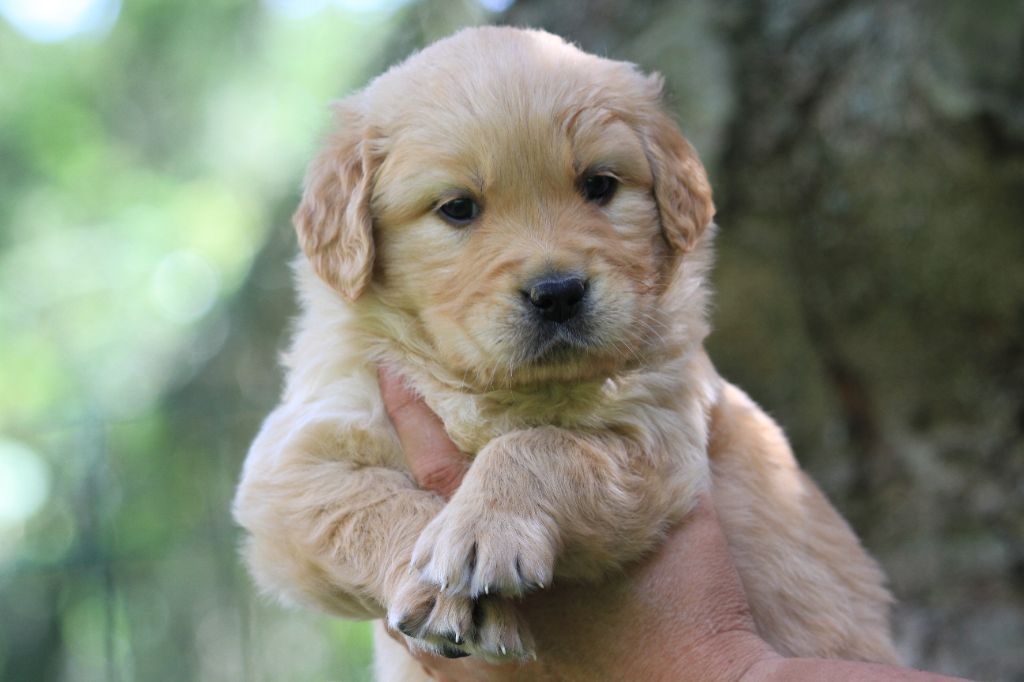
x: 868, y: 160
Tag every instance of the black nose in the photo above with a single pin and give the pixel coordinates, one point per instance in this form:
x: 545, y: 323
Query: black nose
x: 557, y: 297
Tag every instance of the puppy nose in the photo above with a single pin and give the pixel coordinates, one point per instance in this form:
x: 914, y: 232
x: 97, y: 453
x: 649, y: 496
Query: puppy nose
x: 557, y: 297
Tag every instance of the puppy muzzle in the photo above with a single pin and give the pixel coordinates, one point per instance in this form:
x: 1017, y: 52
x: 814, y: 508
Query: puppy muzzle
x: 557, y: 317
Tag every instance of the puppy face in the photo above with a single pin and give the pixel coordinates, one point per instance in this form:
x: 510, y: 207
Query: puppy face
x: 524, y: 203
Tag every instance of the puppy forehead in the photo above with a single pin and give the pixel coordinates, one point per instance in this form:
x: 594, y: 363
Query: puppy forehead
x: 491, y: 145
x: 496, y: 105
x: 531, y: 147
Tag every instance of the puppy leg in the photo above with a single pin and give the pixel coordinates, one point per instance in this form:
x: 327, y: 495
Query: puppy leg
x: 546, y: 501
x: 330, y: 531
x: 341, y: 542
x: 330, y: 535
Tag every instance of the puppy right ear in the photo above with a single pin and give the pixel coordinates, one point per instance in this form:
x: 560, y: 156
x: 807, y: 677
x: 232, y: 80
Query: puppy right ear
x: 681, y: 185
x: 333, y: 220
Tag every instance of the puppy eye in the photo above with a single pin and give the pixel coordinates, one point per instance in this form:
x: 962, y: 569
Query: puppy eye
x: 461, y: 211
x: 599, y: 188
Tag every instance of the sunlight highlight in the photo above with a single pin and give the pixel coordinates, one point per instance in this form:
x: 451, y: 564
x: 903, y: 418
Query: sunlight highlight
x: 51, y: 21
x: 297, y: 9
x: 24, y: 482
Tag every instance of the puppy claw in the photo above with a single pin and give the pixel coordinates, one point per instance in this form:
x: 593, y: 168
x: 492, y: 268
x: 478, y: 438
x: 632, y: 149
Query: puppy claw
x: 452, y: 652
x: 436, y: 648
x: 453, y: 637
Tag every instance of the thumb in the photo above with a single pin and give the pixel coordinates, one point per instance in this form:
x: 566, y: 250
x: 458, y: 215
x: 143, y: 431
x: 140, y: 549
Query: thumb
x: 435, y: 462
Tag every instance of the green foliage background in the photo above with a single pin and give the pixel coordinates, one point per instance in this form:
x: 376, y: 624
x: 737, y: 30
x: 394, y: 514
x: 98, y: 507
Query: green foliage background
x: 141, y: 171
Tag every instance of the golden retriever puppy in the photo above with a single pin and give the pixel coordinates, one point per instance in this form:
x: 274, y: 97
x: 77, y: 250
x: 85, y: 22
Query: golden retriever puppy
x: 521, y: 230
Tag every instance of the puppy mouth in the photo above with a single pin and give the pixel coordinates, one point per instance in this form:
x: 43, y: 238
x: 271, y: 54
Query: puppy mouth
x: 557, y: 343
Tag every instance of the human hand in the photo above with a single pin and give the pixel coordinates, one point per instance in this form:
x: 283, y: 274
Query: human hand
x: 680, y: 614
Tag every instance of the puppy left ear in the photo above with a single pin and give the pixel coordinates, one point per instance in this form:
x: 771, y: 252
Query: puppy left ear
x: 681, y: 185
x: 333, y: 221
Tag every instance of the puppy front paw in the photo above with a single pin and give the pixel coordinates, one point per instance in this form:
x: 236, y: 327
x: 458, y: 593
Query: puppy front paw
x: 478, y: 550
x: 454, y: 625
x: 420, y: 611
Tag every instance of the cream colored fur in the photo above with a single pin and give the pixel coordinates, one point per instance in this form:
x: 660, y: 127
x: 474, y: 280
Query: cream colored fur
x: 581, y: 464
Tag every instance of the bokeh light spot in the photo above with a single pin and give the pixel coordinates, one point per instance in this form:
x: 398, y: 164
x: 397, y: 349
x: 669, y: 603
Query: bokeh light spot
x: 184, y: 287
x: 50, y: 21
x: 303, y: 8
x: 24, y: 482
x: 496, y: 5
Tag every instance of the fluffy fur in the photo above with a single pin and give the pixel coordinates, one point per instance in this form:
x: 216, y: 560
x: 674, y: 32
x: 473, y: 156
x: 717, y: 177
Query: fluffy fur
x: 586, y: 448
